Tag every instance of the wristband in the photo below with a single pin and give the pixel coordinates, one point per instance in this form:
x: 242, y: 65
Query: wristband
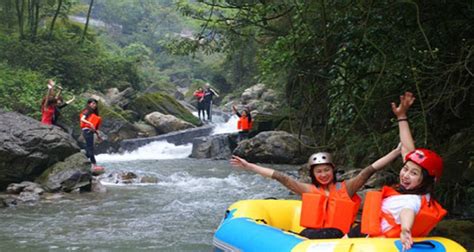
x: 402, y: 119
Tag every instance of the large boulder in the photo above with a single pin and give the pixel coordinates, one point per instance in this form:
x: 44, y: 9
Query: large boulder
x: 165, y: 104
x: 120, y: 99
x: 58, y: 177
x: 215, y: 146
x: 28, y: 148
x: 275, y: 147
x: 166, y: 123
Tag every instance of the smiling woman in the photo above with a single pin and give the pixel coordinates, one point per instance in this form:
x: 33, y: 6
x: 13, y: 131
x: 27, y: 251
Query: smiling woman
x: 329, y: 207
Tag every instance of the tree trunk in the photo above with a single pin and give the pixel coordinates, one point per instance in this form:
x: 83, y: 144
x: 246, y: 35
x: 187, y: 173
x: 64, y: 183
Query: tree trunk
x: 36, y: 10
x: 20, y: 8
x: 56, y: 14
x: 87, y: 20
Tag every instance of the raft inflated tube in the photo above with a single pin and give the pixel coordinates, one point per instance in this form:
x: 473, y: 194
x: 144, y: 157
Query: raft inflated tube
x: 273, y: 225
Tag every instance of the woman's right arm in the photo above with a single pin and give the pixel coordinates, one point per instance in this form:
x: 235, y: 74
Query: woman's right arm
x: 288, y: 182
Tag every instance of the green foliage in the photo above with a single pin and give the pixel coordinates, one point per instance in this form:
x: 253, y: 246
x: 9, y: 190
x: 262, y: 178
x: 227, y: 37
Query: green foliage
x: 21, y: 90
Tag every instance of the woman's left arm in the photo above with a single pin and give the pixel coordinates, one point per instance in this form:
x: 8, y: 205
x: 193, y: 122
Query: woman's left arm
x: 354, y: 184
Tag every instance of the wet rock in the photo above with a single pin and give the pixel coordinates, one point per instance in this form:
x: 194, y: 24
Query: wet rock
x: 275, y: 147
x: 163, y: 103
x: 67, y: 175
x: 145, y: 130
x: 16, y: 188
x: 28, y: 197
x: 166, y: 123
x: 28, y: 147
x: 215, y: 146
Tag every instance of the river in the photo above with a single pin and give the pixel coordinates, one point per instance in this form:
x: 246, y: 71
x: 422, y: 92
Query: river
x: 179, y: 213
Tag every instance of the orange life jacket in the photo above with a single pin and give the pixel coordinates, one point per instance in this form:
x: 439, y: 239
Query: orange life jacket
x: 93, y: 118
x: 431, y: 212
x: 244, y: 124
x: 337, y: 210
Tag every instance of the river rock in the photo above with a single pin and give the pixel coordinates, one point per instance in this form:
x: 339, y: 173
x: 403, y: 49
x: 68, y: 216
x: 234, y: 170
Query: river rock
x: 215, y: 146
x: 120, y: 99
x: 275, y: 147
x: 166, y: 123
x: 28, y: 147
x: 163, y: 103
x: 67, y: 175
x: 144, y: 129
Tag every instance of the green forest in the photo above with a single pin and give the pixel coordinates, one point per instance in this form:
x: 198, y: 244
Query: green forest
x: 337, y: 65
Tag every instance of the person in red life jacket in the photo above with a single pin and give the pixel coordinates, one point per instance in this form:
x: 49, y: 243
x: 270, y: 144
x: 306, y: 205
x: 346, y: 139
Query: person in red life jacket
x: 199, y: 94
x: 328, y: 207
x: 408, y: 209
x: 48, y: 105
x: 90, y: 122
x: 244, y: 125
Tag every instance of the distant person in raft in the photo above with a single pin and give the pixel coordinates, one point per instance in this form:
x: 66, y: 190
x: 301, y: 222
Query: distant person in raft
x: 408, y: 209
x: 90, y: 122
x: 244, y: 124
x: 199, y: 94
x: 328, y: 207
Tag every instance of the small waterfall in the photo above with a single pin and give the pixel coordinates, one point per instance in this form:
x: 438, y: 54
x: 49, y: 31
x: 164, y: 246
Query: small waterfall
x: 226, y: 127
x: 153, y: 151
x: 161, y: 150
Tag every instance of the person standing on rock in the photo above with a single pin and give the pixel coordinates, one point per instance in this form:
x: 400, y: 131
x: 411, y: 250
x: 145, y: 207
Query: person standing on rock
x: 199, y: 94
x: 57, y: 112
x: 324, y: 198
x: 244, y: 125
x: 90, y: 122
x: 48, y: 105
x: 209, y: 94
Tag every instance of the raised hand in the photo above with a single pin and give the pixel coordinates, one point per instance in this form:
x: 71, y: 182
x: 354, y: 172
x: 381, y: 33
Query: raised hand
x: 239, y: 162
x: 50, y: 84
x: 406, y: 100
x: 406, y: 239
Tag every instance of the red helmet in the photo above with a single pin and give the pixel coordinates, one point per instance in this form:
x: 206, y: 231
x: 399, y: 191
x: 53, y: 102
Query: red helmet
x: 428, y: 160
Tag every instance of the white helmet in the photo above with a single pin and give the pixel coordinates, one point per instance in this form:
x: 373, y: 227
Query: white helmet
x: 320, y: 158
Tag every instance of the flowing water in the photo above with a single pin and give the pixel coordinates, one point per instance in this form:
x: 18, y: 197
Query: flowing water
x: 179, y: 213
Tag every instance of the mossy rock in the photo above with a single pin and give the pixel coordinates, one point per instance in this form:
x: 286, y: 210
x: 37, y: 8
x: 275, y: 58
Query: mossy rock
x: 159, y: 102
x: 267, y: 122
x: 458, y: 230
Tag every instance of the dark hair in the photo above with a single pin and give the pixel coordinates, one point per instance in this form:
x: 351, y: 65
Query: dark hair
x: 426, y: 185
x: 90, y: 100
x: 88, y: 108
x: 314, y: 181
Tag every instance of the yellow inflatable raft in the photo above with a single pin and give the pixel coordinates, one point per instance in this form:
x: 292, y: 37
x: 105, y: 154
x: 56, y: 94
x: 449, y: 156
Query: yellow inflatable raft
x: 273, y: 225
